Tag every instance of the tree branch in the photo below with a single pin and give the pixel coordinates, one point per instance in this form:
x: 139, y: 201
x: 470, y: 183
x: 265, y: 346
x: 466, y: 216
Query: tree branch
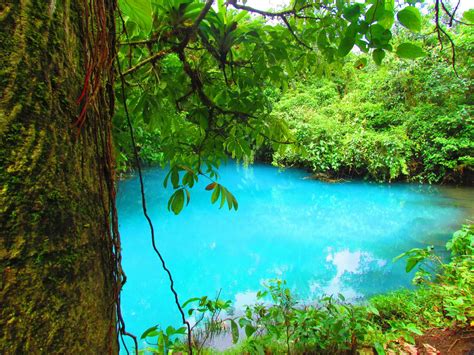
x: 292, y: 11
x: 150, y: 59
x: 285, y: 20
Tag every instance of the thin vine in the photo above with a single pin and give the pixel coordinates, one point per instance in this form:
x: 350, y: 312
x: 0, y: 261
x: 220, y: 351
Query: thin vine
x: 144, y: 206
x: 97, y: 96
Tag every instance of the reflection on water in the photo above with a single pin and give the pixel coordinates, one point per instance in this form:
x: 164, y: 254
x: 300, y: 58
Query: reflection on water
x: 357, y: 262
x: 243, y: 299
x: 322, y: 238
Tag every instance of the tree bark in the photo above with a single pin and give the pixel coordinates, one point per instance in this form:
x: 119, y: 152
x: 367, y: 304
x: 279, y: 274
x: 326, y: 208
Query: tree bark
x: 57, y: 260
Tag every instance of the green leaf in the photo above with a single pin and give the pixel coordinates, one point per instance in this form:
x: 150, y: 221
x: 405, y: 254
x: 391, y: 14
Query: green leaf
x: 412, y: 328
x: 215, y: 193
x: 229, y: 198
x: 194, y: 299
x: 378, y: 35
x: 375, y: 13
x: 203, y: 122
x: 411, y: 263
x: 177, y: 203
x: 388, y: 19
x: 170, y: 330
x: 410, y: 17
x: 175, y: 178
x: 360, y: 63
x: 347, y: 42
x: 235, y: 331
x: 371, y: 308
x: 249, y: 330
x: 352, y: 12
x: 138, y: 11
x: 147, y: 332
x: 322, y: 40
x: 378, y: 55
x: 181, y: 330
x: 165, y: 181
x: 188, y: 196
x: 410, y: 51
x: 223, y: 196
x: 468, y: 15
x: 379, y: 348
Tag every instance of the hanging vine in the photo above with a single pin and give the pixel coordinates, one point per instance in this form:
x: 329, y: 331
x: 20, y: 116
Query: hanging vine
x: 97, y: 98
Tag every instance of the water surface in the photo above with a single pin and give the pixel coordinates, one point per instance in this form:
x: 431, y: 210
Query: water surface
x: 322, y: 238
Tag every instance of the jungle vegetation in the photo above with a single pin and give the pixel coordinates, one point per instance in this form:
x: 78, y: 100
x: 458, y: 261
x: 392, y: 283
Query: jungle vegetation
x: 95, y: 87
x: 407, y: 120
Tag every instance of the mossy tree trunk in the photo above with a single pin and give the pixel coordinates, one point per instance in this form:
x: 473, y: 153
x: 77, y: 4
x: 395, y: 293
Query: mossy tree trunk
x: 57, y: 258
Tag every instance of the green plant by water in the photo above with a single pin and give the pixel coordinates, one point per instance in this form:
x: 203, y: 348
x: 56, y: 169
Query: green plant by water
x: 279, y: 323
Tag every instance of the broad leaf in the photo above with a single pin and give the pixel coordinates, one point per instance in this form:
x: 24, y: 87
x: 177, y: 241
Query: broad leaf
x: 138, y: 11
x: 410, y: 17
x: 469, y: 16
x: 378, y: 55
x: 177, y: 202
x: 410, y: 51
x: 352, y: 12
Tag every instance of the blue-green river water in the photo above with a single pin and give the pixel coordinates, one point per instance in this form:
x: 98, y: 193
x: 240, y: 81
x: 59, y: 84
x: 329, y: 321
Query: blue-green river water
x: 322, y: 238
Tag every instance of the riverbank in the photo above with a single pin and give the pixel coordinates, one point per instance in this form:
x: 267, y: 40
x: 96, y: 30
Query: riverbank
x: 435, y: 318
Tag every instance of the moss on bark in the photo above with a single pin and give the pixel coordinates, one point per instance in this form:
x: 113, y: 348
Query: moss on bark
x: 56, y: 287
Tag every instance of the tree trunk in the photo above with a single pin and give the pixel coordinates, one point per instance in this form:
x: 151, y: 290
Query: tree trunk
x: 57, y: 259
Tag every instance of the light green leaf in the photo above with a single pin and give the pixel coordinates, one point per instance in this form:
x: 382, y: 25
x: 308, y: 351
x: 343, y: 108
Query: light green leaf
x: 410, y: 51
x: 375, y: 13
x: 469, y: 15
x: 138, y: 11
x: 414, y: 329
x: 410, y: 17
x: 388, y: 19
x: 149, y: 331
x: 379, y: 348
x: 411, y: 263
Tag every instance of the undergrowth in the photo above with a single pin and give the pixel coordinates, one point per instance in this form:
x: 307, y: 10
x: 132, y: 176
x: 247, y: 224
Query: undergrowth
x: 279, y: 323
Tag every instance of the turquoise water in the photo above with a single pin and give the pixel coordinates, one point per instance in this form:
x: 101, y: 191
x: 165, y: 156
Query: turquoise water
x: 322, y: 238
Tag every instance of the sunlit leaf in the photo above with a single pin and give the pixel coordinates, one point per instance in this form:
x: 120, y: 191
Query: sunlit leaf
x: 410, y: 51
x: 139, y: 11
x: 410, y: 17
x: 468, y: 16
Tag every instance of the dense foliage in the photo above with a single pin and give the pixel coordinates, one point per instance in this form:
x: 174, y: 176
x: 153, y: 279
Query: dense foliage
x: 406, y: 120
x: 238, y: 83
x: 279, y: 323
